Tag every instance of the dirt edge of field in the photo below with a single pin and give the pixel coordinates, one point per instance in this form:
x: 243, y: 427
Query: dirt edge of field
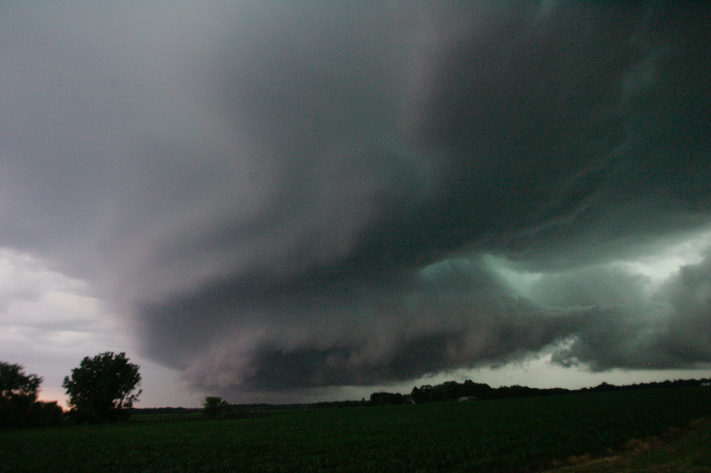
x: 621, y: 460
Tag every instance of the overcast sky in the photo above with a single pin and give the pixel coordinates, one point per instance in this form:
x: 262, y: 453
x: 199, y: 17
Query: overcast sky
x: 306, y: 200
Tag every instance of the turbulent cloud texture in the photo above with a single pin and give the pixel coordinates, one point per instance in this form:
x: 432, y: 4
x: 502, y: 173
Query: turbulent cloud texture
x: 285, y: 195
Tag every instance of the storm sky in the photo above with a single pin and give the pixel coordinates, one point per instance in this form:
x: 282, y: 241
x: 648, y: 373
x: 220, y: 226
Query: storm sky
x: 286, y: 199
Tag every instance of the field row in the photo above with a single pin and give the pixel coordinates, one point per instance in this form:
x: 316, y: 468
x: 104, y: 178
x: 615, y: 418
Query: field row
x: 501, y: 435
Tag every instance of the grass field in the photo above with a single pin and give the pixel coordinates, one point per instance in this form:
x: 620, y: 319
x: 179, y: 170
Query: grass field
x: 527, y: 434
x: 679, y: 450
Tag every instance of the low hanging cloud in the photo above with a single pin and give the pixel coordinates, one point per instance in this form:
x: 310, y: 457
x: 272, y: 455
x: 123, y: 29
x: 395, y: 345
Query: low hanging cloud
x: 355, y: 333
x: 630, y: 327
x: 287, y: 195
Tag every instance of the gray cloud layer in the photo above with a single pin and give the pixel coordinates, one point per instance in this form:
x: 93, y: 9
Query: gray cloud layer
x: 288, y: 195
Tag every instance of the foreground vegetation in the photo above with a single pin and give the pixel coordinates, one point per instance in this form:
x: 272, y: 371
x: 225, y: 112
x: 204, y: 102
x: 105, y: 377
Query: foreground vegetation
x: 679, y: 450
x: 19, y: 406
x: 101, y: 389
x: 524, y: 434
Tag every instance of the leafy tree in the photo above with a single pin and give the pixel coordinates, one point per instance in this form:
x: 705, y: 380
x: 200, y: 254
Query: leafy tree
x: 100, y: 389
x: 44, y: 414
x: 387, y: 399
x: 18, y: 399
x: 213, y: 407
x: 422, y: 394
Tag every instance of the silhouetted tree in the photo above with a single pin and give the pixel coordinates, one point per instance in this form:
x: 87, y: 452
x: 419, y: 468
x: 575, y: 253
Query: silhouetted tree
x: 213, y: 407
x: 388, y: 399
x: 19, y: 406
x: 100, y: 389
x: 422, y: 394
x: 471, y: 389
x: 44, y: 414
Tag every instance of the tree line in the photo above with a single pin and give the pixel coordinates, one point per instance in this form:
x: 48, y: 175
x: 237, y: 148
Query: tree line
x: 217, y: 408
x: 101, y: 388
x: 469, y: 390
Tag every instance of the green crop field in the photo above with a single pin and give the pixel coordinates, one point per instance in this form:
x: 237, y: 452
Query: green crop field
x: 526, y: 434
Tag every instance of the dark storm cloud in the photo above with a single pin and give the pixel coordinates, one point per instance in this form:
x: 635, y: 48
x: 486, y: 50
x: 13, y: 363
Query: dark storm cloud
x: 287, y: 195
x: 629, y: 328
x: 354, y: 331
